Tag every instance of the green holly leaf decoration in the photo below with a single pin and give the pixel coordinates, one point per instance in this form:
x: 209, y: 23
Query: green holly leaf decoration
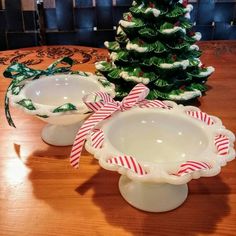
x: 43, y: 116
x: 163, y: 84
x: 166, y: 25
x: 137, y: 23
x: 193, y: 62
x: 79, y: 73
x: 27, y: 103
x: 185, y: 23
x: 156, y: 94
x: 176, y: 92
x: 200, y: 87
x: 137, y: 10
x: 104, y: 66
x: 148, y: 33
x: 115, y: 74
x: 123, y: 56
x: 188, y: 39
x: 16, y: 89
x: 176, y: 12
x: 65, y: 107
x: 154, y: 61
x: 179, y: 46
x: 159, y: 47
x: 121, y: 36
x: 112, y: 46
x: 105, y: 82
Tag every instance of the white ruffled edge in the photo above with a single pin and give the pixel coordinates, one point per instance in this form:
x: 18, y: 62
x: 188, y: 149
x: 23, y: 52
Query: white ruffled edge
x: 156, y: 173
x: 47, y: 110
x: 125, y: 75
x: 186, y: 95
x: 197, y: 36
x: 106, y: 44
x: 100, y: 67
x: 126, y: 24
x: 209, y: 71
x: 135, y: 47
x: 154, y: 11
x: 184, y: 64
x: 173, y: 30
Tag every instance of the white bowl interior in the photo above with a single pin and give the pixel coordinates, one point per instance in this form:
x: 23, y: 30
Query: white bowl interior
x: 156, y: 137
x: 60, y: 89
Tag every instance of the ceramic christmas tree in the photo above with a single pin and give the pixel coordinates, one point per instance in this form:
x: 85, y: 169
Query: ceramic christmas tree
x: 155, y: 45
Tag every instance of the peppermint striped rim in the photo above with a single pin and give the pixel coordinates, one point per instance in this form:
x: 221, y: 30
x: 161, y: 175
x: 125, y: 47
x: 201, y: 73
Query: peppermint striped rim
x: 202, y: 116
x: 138, y: 93
x: 128, y: 163
x: 89, y: 124
x: 153, y: 104
x: 97, y: 105
x: 97, y: 138
x: 104, y: 109
x: 192, y: 166
x: 222, y: 144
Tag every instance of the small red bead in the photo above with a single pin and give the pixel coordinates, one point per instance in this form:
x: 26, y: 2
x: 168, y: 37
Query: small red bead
x: 151, y: 4
x: 177, y: 23
x: 192, y: 33
x: 140, y: 74
x: 140, y: 42
x: 185, y: 3
x: 129, y: 18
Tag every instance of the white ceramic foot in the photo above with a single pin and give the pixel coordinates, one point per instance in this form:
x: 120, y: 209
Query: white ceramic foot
x: 60, y: 135
x: 152, y: 197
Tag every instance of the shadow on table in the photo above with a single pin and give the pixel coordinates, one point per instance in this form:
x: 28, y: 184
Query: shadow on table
x: 204, y: 208
x: 50, y: 174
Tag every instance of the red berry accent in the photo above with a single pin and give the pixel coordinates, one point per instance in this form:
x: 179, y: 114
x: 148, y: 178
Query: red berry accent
x: 129, y: 18
x: 177, y: 23
x: 151, y: 4
x: 174, y: 57
x: 192, y: 33
x: 180, y: 41
x: 140, y: 42
x: 203, y: 66
x: 185, y: 3
x: 140, y: 74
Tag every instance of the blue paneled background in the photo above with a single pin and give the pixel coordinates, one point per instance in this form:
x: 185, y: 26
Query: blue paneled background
x: 90, y: 23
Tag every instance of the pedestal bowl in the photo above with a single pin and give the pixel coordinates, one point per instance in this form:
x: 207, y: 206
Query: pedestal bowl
x: 57, y: 100
x: 158, y: 151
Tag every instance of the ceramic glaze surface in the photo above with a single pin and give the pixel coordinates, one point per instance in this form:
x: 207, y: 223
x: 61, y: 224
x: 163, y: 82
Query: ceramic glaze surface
x: 60, y: 89
x: 157, y: 138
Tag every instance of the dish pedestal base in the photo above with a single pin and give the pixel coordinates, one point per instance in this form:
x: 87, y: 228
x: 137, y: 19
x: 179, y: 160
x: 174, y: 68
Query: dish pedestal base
x: 60, y: 135
x: 152, y: 197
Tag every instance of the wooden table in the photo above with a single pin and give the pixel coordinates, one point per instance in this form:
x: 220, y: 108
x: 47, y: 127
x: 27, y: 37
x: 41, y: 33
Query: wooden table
x: 40, y: 194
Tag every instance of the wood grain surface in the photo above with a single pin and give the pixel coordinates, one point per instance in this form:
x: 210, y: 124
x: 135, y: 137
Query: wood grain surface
x: 40, y: 194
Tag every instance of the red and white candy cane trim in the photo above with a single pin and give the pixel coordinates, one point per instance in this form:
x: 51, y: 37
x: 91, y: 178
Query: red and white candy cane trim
x: 86, y: 128
x: 97, y: 138
x: 97, y: 105
x: 201, y: 116
x: 154, y: 103
x: 222, y: 144
x: 104, y: 109
x: 192, y: 166
x: 127, y: 162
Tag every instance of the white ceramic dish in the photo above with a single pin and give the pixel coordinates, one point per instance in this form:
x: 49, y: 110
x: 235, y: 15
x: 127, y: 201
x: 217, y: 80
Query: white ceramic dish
x: 162, y: 141
x: 63, y: 91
